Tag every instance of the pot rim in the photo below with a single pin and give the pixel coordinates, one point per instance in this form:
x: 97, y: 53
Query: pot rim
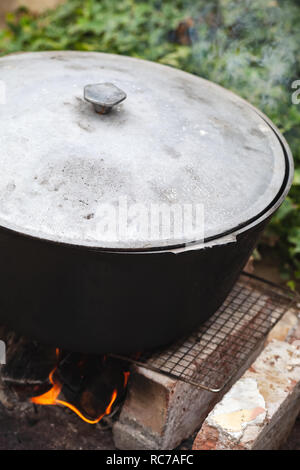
x: 220, y: 239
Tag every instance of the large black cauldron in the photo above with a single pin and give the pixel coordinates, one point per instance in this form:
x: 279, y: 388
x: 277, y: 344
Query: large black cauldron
x: 81, y: 265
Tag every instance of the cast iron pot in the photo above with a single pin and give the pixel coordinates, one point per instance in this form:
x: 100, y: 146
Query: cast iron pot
x: 177, y: 138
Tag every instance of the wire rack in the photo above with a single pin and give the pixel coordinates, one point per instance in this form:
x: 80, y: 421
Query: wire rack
x: 211, y: 356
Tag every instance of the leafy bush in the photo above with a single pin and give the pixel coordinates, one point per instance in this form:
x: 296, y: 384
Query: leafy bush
x: 249, y: 46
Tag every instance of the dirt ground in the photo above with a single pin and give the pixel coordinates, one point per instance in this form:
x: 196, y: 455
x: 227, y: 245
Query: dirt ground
x: 51, y: 428
x: 54, y: 428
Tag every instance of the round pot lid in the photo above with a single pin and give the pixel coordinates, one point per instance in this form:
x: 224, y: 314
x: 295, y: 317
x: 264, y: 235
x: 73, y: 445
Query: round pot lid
x: 98, y: 149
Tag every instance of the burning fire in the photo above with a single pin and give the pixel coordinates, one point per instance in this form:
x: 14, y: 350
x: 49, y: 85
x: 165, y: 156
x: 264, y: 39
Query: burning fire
x: 51, y: 397
x: 126, y: 377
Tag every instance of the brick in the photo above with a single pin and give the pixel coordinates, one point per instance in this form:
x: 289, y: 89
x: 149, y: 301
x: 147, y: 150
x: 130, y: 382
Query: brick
x: 159, y: 412
x: 286, y: 327
x: 260, y: 408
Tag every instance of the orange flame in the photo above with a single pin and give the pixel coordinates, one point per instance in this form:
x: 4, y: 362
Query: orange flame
x: 51, y: 398
x: 90, y: 421
x: 126, y: 377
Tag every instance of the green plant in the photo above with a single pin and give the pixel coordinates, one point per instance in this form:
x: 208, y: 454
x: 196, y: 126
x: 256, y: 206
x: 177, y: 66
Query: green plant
x: 249, y: 46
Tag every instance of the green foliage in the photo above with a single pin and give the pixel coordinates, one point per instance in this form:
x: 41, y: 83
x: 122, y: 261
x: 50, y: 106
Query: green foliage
x: 249, y: 46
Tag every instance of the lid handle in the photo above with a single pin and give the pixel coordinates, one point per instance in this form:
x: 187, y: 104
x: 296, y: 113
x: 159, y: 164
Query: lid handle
x: 103, y: 96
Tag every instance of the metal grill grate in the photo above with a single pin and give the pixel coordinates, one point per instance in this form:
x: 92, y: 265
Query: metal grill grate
x: 211, y: 356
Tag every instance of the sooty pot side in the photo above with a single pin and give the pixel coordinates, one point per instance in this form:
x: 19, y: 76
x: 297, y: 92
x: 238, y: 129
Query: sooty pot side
x: 89, y: 301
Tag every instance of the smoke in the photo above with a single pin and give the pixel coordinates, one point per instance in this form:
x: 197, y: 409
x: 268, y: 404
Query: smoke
x: 251, y: 47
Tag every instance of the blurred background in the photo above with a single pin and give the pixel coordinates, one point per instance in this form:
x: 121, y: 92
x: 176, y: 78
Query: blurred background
x: 249, y: 46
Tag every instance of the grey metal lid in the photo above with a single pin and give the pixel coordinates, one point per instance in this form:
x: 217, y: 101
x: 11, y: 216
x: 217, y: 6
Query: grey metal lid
x: 177, y: 139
